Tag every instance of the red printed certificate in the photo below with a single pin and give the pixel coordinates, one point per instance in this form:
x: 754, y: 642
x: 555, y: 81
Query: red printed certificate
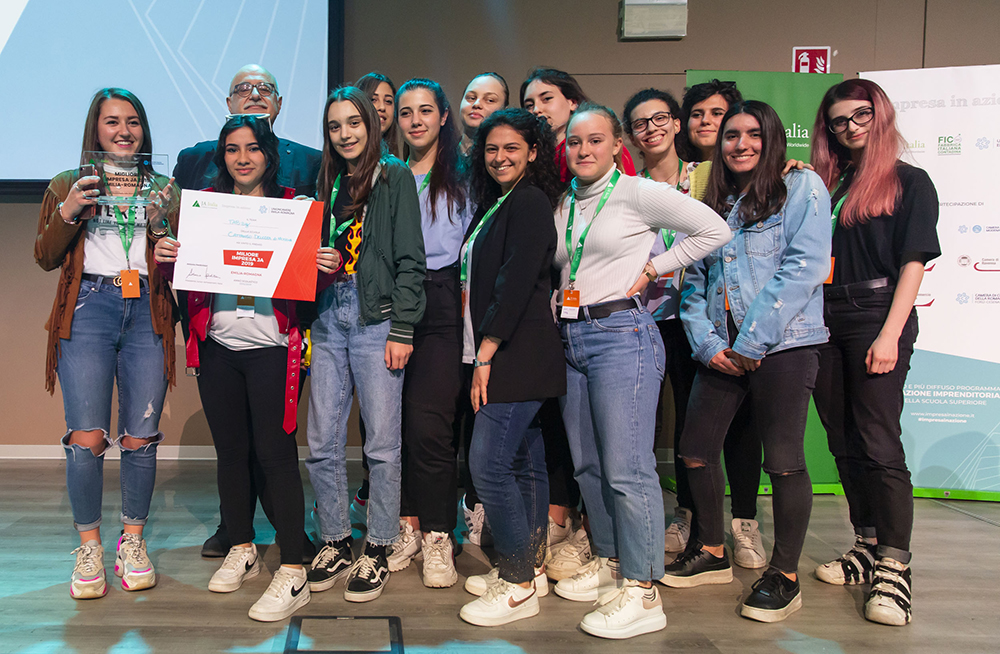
x: 244, y: 245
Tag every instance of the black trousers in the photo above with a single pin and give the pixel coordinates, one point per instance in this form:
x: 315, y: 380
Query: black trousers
x: 779, y: 394
x: 243, y: 394
x: 861, y: 415
x: 431, y: 389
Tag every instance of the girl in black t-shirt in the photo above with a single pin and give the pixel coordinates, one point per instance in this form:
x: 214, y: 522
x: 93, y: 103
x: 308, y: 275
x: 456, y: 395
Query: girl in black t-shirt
x: 884, y: 221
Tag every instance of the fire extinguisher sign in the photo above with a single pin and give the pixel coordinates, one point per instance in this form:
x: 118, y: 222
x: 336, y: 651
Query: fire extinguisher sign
x: 811, y: 59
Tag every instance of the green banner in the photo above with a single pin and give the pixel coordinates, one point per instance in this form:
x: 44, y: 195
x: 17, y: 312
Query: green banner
x: 796, y: 97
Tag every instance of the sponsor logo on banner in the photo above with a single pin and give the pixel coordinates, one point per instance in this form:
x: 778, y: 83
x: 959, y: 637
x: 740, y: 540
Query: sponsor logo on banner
x: 916, y: 146
x: 987, y: 265
x: 949, y: 145
x: 982, y: 143
x: 986, y: 298
x: 811, y: 59
x: 962, y: 298
x: 965, y: 261
x: 247, y: 258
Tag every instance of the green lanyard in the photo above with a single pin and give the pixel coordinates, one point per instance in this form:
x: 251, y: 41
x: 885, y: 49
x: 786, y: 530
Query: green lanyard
x: 337, y: 230
x: 126, y: 227
x: 472, y: 238
x: 836, y: 208
x: 425, y: 182
x: 668, y: 234
x: 577, y: 255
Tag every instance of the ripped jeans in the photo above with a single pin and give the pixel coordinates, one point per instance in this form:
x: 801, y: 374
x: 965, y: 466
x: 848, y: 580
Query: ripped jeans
x: 112, y: 338
x: 779, y: 393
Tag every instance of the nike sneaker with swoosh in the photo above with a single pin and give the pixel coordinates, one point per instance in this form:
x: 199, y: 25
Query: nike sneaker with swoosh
x: 241, y: 563
x: 503, y: 602
x: 287, y: 593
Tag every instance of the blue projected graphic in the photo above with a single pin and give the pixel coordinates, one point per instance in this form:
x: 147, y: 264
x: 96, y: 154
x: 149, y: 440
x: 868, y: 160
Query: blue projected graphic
x: 177, y: 56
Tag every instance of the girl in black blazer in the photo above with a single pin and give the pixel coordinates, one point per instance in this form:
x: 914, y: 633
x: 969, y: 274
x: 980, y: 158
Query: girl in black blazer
x: 511, y: 339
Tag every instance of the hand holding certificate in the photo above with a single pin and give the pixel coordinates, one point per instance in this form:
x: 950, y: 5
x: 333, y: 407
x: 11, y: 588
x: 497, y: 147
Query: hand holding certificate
x: 248, y: 245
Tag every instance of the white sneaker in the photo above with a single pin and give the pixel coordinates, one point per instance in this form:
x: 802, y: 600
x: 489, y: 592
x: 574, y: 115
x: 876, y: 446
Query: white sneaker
x: 241, y: 563
x: 557, y: 534
x: 439, y: 560
x: 475, y: 524
x: 890, y: 601
x: 854, y: 567
x: 132, y: 563
x: 502, y: 602
x: 629, y: 611
x: 675, y: 538
x: 569, y: 556
x: 406, y: 548
x: 287, y: 593
x: 479, y: 584
x: 592, y: 581
x: 88, y: 573
x: 748, y: 550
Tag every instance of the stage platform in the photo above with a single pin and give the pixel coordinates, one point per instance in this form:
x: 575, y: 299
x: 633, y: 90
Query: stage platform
x: 956, y: 583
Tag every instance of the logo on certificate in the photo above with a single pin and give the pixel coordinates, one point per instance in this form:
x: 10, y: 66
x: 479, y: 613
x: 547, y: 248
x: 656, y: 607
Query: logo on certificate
x: 247, y: 258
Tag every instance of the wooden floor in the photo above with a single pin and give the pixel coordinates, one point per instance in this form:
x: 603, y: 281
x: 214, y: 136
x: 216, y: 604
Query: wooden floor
x: 956, y: 585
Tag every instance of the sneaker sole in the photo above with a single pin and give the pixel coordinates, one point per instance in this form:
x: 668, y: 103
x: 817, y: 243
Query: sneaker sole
x: 395, y: 565
x: 645, y: 625
x: 750, y: 565
x: 327, y: 584
x: 231, y: 586
x: 88, y: 591
x: 825, y: 575
x: 886, y: 616
x: 138, y: 582
x: 526, y: 610
x: 441, y: 581
x: 771, y: 615
x: 702, y: 579
x: 368, y: 595
x: 297, y: 604
x: 578, y: 596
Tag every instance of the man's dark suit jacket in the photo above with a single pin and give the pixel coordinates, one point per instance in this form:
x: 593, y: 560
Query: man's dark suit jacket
x: 298, y: 169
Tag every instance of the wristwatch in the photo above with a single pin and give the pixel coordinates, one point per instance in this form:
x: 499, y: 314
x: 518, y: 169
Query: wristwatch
x: 476, y: 363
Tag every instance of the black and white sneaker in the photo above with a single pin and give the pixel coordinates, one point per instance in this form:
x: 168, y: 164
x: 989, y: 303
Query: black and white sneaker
x: 368, y: 575
x: 331, y: 564
x: 890, y: 599
x: 772, y: 598
x: 697, y: 567
x: 854, y: 567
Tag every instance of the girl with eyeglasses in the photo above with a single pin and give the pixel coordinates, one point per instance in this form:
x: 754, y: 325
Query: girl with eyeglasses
x: 370, y: 297
x: 615, y: 364
x: 434, y: 372
x: 753, y: 311
x: 112, y: 322
x: 884, y: 232
x: 248, y: 354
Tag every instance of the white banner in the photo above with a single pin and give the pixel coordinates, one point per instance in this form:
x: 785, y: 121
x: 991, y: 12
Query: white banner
x: 950, y: 119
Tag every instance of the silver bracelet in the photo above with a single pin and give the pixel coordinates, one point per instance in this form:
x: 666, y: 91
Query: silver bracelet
x: 74, y: 221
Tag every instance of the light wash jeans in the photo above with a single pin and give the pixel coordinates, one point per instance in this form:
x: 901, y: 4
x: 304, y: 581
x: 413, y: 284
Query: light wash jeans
x: 344, y: 354
x: 112, y: 338
x: 613, y: 374
x: 507, y: 462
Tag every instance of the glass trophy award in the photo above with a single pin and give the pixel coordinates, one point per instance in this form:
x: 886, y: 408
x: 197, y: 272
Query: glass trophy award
x: 126, y: 179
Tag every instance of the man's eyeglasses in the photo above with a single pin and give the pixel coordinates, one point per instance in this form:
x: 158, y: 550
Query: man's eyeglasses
x: 245, y: 89
x: 862, y: 116
x: 659, y: 120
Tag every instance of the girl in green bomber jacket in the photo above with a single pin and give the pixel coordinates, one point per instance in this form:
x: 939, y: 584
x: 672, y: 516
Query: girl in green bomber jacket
x: 370, y: 296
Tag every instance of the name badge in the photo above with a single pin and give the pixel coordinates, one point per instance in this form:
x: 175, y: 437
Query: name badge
x: 244, y: 306
x: 130, y: 283
x: 570, y: 304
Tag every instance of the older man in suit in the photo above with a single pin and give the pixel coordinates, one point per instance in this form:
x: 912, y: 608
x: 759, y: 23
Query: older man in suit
x: 252, y: 91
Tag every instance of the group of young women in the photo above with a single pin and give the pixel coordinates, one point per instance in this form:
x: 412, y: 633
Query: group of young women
x: 511, y: 262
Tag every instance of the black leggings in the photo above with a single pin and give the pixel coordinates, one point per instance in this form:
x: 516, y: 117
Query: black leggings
x: 243, y: 395
x: 779, y: 393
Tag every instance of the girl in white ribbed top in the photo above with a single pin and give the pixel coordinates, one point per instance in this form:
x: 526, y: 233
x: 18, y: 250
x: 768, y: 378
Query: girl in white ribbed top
x: 614, y: 353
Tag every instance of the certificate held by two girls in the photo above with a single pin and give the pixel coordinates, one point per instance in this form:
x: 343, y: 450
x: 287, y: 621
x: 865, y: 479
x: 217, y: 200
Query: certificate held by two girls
x: 246, y: 245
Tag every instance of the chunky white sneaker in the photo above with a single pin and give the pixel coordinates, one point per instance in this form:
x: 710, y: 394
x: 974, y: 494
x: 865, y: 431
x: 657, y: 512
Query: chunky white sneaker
x: 675, y: 538
x: 88, y: 573
x: 629, y: 611
x: 439, y: 560
x: 591, y: 581
x: 241, y: 563
x: 568, y: 556
x: 478, y: 584
x: 748, y: 550
x: 132, y: 564
x: 557, y: 534
x: 890, y: 600
x: 475, y: 524
x: 502, y: 602
x: 406, y: 548
x: 854, y: 567
x: 287, y: 593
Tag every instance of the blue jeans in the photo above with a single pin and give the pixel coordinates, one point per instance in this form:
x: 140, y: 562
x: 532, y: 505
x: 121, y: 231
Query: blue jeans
x: 112, y: 338
x: 507, y: 462
x: 345, y: 353
x: 614, y: 369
